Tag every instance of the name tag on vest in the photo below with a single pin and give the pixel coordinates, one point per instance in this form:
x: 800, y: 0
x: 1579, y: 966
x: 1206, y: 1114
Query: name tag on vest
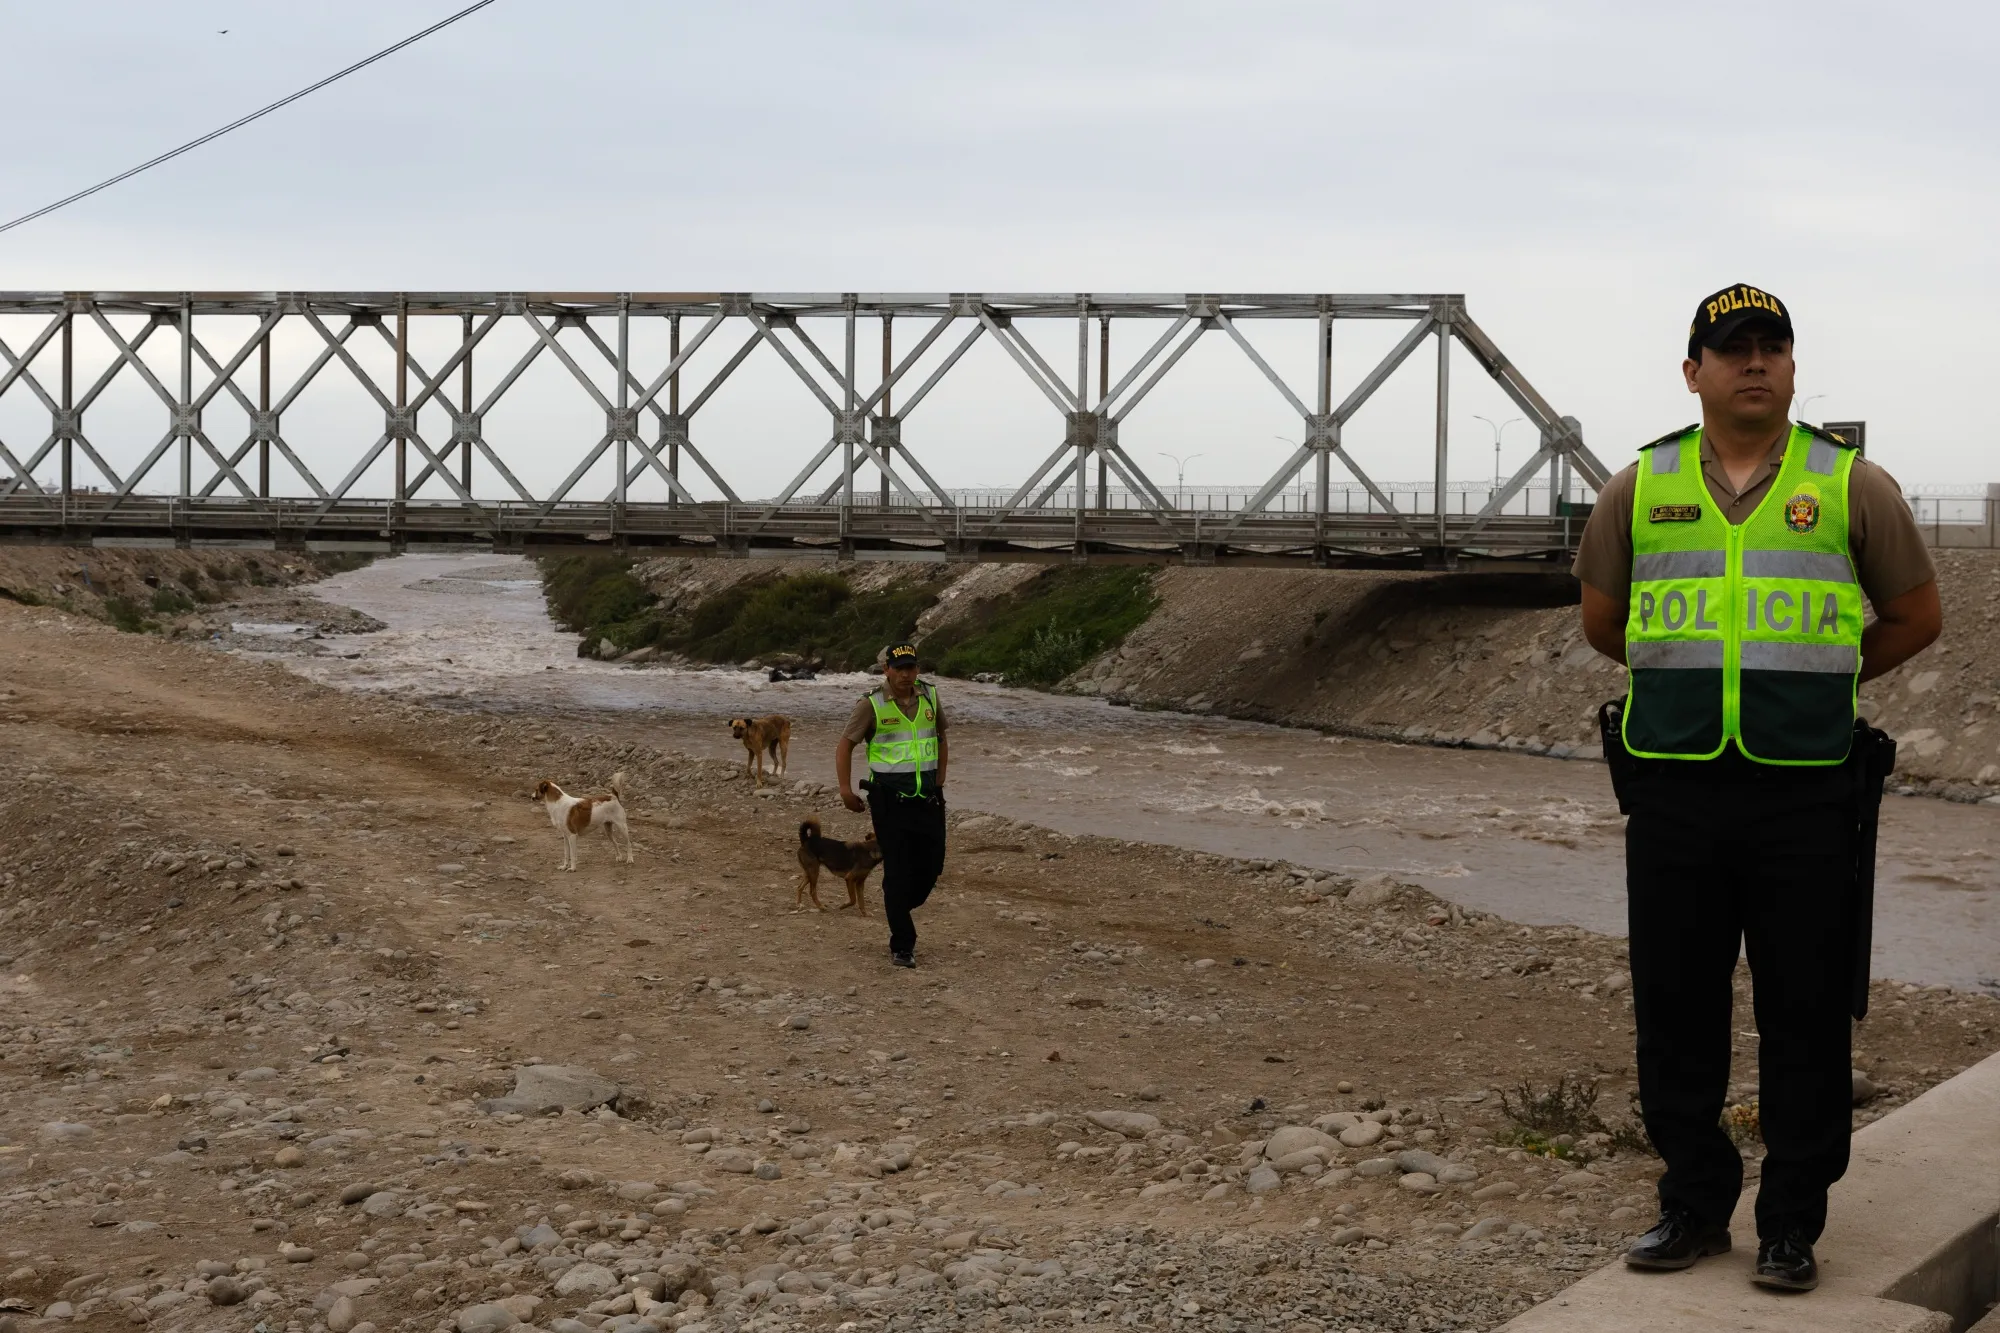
x: 1674, y: 514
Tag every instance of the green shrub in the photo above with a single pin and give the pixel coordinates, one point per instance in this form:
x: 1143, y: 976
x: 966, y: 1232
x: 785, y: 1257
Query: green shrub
x: 125, y: 615
x: 1049, y: 627
x: 170, y: 601
x: 816, y: 616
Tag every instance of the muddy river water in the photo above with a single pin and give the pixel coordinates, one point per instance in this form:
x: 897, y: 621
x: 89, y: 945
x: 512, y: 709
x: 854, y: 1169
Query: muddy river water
x: 1534, y: 839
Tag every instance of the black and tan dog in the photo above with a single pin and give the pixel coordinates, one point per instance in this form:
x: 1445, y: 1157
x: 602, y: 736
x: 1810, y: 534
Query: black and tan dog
x: 852, y: 861
x: 770, y: 735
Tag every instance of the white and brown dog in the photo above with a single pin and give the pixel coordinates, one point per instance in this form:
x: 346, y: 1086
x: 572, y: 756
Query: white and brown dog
x: 575, y: 816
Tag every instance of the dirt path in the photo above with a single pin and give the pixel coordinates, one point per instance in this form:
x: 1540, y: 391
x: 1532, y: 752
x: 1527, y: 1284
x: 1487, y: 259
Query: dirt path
x: 263, y: 945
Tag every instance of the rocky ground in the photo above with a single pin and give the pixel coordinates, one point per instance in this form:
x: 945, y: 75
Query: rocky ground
x: 300, y: 1029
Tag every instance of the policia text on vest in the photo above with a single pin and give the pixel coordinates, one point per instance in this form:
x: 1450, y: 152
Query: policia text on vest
x: 1746, y: 635
x: 902, y: 725
x: 1725, y: 572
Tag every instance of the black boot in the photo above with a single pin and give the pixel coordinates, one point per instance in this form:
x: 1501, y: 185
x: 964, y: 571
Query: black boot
x: 1786, y: 1263
x: 903, y: 959
x: 1676, y: 1241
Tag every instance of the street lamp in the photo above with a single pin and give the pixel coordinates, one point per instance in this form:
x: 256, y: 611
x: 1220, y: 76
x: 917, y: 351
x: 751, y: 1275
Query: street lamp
x: 1498, y: 430
x: 1180, y: 472
x: 1804, y: 403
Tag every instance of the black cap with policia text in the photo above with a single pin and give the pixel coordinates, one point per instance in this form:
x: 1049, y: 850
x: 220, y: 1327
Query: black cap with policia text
x: 902, y: 655
x: 1730, y: 309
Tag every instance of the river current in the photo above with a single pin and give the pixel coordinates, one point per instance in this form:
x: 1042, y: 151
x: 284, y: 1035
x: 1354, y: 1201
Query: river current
x: 1536, y: 840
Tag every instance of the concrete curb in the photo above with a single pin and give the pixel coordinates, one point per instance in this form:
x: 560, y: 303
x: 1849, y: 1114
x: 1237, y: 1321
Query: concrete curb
x: 1912, y: 1242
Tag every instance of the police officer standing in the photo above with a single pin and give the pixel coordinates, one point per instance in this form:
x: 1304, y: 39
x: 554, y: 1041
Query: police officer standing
x: 903, y: 728
x: 1725, y: 570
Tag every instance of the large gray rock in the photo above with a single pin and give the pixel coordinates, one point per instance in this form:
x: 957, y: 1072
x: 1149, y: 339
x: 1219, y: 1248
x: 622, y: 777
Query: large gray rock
x: 540, y: 1088
x: 1416, y: 1159
x: 591, y: 1280
x: 485, y: 1319
x: 1373, y: 891
x: 1262, y: 1181
x: 1296, y: 1139
x: 1132, y: 1124
x: 1363, y: 1135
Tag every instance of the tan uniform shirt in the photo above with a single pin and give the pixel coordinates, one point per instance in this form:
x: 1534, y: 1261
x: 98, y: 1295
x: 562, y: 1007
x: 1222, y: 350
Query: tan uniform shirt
x: 1889, y: 554
x: 861, y: 722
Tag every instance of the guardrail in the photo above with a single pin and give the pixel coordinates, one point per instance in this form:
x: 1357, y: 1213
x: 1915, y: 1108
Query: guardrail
x: 874, y: 532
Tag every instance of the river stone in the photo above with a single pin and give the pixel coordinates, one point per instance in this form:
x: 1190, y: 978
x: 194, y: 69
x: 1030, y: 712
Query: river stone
x: 383, y: 1203
x: 62, y: 1130
x: 1376, y: 1166
x: 538, y: 1235
x: 585, y: 1280
x: 340, y: 1316
x: 733, y: 1160
x: 1132, y: 1124
x: 1419, y: 1182
x: 540, y: 1088
x: 1335, y: 1121
x: 1294, y: 1162
x: 1364, y: 1135
x: 1457, y: 1173
x: 1864, y: 1087
x: 484, y: 1319
x: 1416, y: 1159
x: 227, y: 1291
x: 1372, y: 891
x: 1483, y: 1228
x: 1262, y: 1180
x: 1296, y: 1139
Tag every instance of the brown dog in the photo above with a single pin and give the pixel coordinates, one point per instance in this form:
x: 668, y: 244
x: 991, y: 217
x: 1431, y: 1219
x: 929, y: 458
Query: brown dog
x: 764, y: 735
x: 852, y: 861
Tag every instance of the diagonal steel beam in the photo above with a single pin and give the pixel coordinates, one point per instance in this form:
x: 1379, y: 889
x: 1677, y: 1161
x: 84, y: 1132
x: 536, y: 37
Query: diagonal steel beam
x: 728, y: 369
x: 798, y: 367
x: 562, y: 355
x: 26, y: 475
x: 18, y: 365
x: 355, y: 474
x: 923, y: 345
x: 1257, y: 359
x: 909, y: 404
x: 1139, y: 395
x: 1375, y: 378
x: 1107, y: 397
x: 1036, y: 369
x: 1537, y: 408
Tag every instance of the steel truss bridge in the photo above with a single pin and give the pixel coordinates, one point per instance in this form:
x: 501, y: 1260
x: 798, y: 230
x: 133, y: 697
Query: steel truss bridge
x: 189, y: 488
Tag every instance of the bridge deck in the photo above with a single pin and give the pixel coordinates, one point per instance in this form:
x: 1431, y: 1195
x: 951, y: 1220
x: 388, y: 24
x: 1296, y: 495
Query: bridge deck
x: 1523, y: 542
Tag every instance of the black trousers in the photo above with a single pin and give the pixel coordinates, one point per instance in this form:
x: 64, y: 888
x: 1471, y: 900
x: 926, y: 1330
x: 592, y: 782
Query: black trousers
x: 1714, y: 858
x: 910, y: 831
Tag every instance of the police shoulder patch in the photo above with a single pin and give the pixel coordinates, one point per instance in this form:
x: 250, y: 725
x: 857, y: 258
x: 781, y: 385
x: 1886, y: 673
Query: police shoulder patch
x: 1827, y: 435
x: 1673, y: 436
x: 1674, y: 514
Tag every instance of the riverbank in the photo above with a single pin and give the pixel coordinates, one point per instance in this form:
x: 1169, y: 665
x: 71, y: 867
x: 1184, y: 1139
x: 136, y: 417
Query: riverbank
x: 1462, y: 660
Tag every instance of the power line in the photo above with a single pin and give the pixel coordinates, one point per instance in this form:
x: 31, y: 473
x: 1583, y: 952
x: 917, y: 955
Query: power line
x: 239, y: 124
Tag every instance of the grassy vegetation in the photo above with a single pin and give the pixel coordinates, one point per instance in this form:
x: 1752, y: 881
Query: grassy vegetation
x: 1043, y: 631
x: 815, y: 616
x: 1551, y: 1121
x: 125, y: 614
x: 1048, y: 627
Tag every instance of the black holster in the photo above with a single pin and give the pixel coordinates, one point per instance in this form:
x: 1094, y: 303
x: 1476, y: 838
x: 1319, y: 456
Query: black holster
x: 1871, y: 760
x: 1624, y: 768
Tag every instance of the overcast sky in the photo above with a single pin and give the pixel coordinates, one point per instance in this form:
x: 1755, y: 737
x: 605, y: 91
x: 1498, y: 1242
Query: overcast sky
x: 1581, y: 172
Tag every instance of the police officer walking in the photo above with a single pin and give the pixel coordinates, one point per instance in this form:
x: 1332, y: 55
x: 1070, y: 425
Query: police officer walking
x: 903, y: 728
x: 1725, y: 570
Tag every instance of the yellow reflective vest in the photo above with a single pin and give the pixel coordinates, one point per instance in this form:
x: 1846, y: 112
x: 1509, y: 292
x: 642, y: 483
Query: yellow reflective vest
x: 903, y: 750
x: 1743, y: 634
